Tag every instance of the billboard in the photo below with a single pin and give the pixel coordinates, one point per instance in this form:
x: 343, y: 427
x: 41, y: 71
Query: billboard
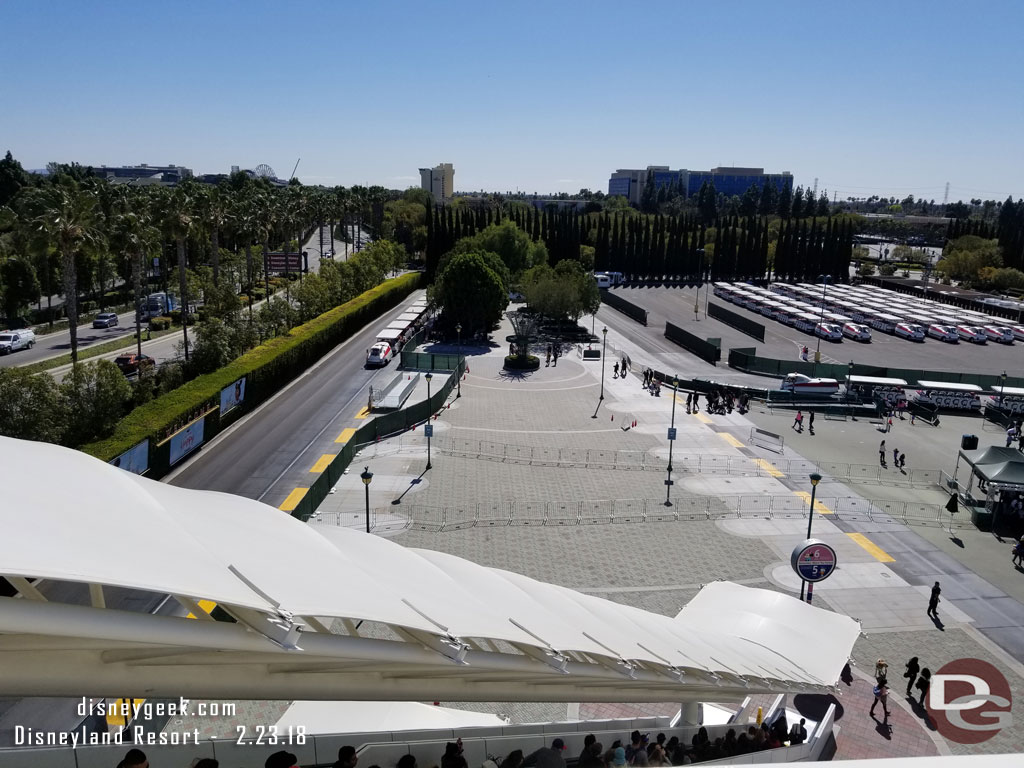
x: 232, y: 396
x: 186, y: 440
x: 284, y: 262
x: 135, y: 459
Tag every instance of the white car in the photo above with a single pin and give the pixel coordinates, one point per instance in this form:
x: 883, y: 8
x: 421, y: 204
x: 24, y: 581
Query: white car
x: 1018, y: 332
x: 999, y: 333
x: 828, y: 331
x: 910, y: 331
x: 379, y: 354
x: 12, y: 341
x: 972, y: 333
x: 944, y: 333
x: 856, y: 331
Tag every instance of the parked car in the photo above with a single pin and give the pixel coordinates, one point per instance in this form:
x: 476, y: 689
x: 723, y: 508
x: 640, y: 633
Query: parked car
x: 828, y: 331
x: 944, y: 333
x: 131, y: 362
x: 999, y: 333
x: 104, y: 320
x: 972, y: 333
x: 856, y: 331
x: 12, y: 341
x: 909, y: 331
x: 1018, y: 332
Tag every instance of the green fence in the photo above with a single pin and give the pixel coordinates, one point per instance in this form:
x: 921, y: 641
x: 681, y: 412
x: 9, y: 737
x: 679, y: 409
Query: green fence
x: 737, y: 321
x: 744, y: 361
x: 625, y: 307
x: 383, y: 426
x: 703, y: 349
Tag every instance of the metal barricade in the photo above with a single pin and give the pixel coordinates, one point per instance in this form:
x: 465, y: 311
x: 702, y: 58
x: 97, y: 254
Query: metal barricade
x: 562, y: 513
x: 595, y: 512
x: 864, y: 473
x: 755, y: 506
x: 494, y: 514
x: 789, y: 507
x: 628, y: 510
x: 528, y: 513
x: 852, y: 509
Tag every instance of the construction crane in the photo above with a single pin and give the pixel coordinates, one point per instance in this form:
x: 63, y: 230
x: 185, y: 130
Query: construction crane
x: 295, y: 169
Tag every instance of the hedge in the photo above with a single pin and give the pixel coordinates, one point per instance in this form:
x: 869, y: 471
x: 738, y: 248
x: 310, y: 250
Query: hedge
x: 268, y: 368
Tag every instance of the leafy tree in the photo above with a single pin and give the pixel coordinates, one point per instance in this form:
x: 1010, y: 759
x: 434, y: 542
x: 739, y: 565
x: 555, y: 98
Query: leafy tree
x: 768, y: 202
x: 512, y: 245
x: 12, y: 179
x: 30, y: 406
x: 20, y: 286
x: 566, y: 291
x: 95, y: 397
x: 1007, y: 277
x: 707, y: 202
x: 469, y: 292
x: 785, y: 206
x: 616, y: 203
x: 749, y: 201
x: 798, y: 203
x: 866, y: 269
x: 823, y: 206
x: 314, y: 296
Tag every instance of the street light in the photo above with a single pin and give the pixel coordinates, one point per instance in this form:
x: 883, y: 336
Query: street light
x: 458, y: 373
x: 458, y: 330
x: 815, y: 479
x: 366, y: 476
x: 604, y: 349
x: 1002, y: 386
x: 671, y: 442
x: 817, y: 350
x: 700, y: 281
x: 428, y: 377
x: 849, y: 378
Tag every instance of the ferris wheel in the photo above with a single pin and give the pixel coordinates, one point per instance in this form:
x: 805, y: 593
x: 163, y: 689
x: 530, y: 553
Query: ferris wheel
x: 264, y: 171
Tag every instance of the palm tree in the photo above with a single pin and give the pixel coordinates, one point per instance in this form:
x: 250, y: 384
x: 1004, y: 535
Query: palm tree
x: 178, y: 224
x: 66, y: 215
x: 133, y: 234
x: 215, y: 205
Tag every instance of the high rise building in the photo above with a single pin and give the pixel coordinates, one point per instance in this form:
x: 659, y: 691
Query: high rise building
x: 438, y: 181
x: 630, y: 183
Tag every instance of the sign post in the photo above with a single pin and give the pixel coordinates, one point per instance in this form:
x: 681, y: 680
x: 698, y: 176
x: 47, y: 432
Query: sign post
x: 813, y: 561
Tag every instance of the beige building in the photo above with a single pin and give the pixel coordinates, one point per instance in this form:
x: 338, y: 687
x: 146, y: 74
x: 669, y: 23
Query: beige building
x: 438, y: 181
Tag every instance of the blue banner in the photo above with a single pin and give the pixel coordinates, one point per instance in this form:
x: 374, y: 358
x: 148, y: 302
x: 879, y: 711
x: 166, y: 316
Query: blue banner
x: 187, y: 440
x: 135, y: 459
x: 232, y: 396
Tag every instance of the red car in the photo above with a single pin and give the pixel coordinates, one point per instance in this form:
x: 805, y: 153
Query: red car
x: 131, y: 362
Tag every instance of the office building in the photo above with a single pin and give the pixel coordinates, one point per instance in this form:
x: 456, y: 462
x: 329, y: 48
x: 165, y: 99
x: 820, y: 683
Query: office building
x: 143, y: 174
x: 438, y: 181
x: 630, y: 183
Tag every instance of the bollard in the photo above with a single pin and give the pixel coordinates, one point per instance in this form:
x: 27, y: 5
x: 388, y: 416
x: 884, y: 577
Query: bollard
x: 760, y: 714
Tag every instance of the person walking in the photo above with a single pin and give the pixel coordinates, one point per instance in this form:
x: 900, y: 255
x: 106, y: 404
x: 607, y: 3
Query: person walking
x: 689, y: 401
x: 881, y: 453
x: 923, y: 684
x: 696, y: 398
x: 933, y: 601
x: 1018, y: 553
x: 1011, y: 435
x: 549, y: 356
x: 881, y: 692
x: 903, y: 461
x: 881, y: 669
x: 615, y: 371
x: 798, y: 422
x: 896, y: 458
x: 554, y: 354
x: 913, y: 417
x: 911, y: 674
x: 810, y: 422
x: 888, y: 423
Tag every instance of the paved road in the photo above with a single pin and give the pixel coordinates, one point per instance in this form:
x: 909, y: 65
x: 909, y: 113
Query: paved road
x: 59, y: 343
x: 784, y: 342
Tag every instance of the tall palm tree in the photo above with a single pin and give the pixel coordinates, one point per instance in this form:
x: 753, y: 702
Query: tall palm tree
x: 66, y: 215
x: 132, y: 233
x: 215, y: 205
x: 178, y: 223
x: 245, y: 215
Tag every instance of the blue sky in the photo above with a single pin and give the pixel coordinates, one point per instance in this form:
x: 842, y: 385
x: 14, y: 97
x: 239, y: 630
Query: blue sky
x: 872, y: 97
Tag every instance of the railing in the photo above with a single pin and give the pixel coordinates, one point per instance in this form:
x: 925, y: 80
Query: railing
x: 684, y: 508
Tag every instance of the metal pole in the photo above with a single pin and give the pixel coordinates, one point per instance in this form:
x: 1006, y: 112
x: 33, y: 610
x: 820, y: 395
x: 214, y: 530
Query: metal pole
x: 428, y: 420
x: 367, y: 486
x: 604, y: 349
x: 671, y: 442
x: 815, y: 478
x: 821, y: 319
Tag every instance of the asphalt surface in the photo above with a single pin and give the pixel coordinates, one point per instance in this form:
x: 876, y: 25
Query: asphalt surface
x: 59, y: 343
x: 781, y: 341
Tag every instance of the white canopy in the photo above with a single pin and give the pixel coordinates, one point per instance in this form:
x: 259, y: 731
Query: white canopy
x: 441, y: 626
x: 325, y: 717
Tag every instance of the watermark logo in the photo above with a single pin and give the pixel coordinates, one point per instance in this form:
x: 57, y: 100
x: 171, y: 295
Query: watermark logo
x: 969, y: 701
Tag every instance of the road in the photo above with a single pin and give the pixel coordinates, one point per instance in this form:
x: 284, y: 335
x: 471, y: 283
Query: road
x: 59, y: 343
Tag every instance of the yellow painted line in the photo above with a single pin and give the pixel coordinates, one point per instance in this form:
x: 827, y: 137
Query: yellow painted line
x: 346, y: 435
x: 730, y: 440
x: 768, y: 467
x: 876, y: 551
x: 116, y: 718
x: 701, y: 417
x: 293, y: 499
x: 363, y: 413
x: 820, y: 508
x: 206, y: 605
x: 323, y: 462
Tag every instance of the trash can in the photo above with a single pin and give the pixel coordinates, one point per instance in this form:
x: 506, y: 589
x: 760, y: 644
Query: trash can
x: 969, y: 442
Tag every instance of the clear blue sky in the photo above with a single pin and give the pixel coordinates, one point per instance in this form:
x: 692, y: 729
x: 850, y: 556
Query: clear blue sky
x: 871, y: 97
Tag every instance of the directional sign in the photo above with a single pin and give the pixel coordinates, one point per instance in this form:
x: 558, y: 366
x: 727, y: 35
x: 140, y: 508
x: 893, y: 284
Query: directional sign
x: 428, y: 430
x: 813, y: 560
x: 671, y: 433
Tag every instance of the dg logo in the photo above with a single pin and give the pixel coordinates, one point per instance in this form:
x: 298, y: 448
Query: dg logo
x: 969, y: 701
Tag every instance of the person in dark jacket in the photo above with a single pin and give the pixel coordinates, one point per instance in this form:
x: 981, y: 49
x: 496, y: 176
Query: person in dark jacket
x: 911, y: 674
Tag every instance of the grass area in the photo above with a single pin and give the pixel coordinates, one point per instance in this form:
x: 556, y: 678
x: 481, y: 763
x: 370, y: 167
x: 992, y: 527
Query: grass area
x: 95, y: 350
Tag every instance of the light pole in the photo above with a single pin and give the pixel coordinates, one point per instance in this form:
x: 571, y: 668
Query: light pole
x: 458, y: 330
x: 604, y: 349
x: 815, y: 479
x: 1002, y: 386
x: 671, y: 442
x: 366, y: 476
x: 817, y: 332
x: 428, y: 377
x: 458, y: 373
x: 849, y: 378
x: 700, y: 281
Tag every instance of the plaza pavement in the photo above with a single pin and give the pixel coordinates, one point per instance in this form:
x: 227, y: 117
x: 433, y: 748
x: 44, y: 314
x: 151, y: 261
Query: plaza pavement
x: 885, y: 569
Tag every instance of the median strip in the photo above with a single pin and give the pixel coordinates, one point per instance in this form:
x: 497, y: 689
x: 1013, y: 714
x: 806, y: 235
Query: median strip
x: 289, y: 504
x: 873, y: 549
x: 323, y: 462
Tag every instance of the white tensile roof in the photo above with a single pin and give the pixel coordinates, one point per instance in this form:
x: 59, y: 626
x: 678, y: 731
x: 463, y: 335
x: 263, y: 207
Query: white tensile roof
x: 441, y: 626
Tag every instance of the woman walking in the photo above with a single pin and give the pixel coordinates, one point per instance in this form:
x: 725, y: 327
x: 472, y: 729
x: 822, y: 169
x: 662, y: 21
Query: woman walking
x: 911, y: 674
x: 881, y: 692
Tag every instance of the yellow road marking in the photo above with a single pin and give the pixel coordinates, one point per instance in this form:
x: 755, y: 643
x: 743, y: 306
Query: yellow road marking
x: 873, y: 549
x: 323, y: 462
x: 346, y: 435
x: 768, y: 467
x: 730, y: 440
x: 293, y: 499
x: 701, y: 417
x: 363, y: 413
x: 116, y: 718
x: 820, y: 508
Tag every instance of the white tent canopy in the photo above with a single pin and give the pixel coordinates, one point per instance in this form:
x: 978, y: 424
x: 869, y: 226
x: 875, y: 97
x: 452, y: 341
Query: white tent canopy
x: 324, y: 717
x: 438, y: 626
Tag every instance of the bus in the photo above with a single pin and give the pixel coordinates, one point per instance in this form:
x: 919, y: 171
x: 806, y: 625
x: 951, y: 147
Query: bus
x: 884, y: 322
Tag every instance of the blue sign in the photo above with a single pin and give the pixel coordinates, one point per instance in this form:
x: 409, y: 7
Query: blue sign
x: 671, y: 433
x: 429, y: 430
x: 813, y: 560
x: 134, y: 459
x: 186, y: 440
x: 232, y: 396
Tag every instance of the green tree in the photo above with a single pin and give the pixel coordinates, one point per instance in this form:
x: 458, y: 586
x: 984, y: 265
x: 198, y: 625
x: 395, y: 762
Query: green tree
x: 469, y: 292
x: 749, y: 201
x: 512, y: 245
x: 798, y: 203
x: 12, y: 179
x: 785, y: 206
x: 20, y: 286
x: 30, y: 406
x: 1007, y: 277
x: 95, y: 397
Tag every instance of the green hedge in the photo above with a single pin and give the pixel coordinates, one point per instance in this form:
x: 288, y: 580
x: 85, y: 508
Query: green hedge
x: 268, y: 368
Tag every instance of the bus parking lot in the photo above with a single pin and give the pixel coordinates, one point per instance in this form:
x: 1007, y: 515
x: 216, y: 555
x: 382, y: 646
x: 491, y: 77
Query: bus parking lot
x: 781, y: 341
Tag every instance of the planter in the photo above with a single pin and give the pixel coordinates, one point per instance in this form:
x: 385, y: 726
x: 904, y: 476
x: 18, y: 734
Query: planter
x: 531, y: 363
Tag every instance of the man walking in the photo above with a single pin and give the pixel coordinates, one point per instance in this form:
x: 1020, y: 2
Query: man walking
x: 689, y: 401
x: 810, y: 422
x: 696, y: 398
x: 933, y: 601
x: 549, y: 357
x: 911, y: 674
x: 554, y: 353
x: 881, y: 453
x: 903, y: 461
x: 923, y: 684
x: 896, y: 458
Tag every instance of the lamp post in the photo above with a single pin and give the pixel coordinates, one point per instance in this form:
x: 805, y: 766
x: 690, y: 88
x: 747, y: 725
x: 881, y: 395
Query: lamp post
x: 815, y: 479
x: 817, y: 350
x: 428, y: 377
x: 671, y: 442
x: 604, y: 349
x: 458, y: 376
x: 849, y: 378
x: 366, y: 476
x: 458, y: 330
x: 700, y: 281
x: 1002, y: 386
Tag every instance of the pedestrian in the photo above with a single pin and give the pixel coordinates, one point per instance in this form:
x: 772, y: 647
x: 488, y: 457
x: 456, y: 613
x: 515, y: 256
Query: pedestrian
x: 689, y: 401
x: 911, y: 674
x: 798, y: 422
x: 896, y: 457
x: 1018, y: 553
x: 1011, y: 435
x: 881, y: 453
x: 549, y: 356
x: 615, y: 371
x: 913, y: 417
x: 696, y: 398
x: 554, y: 354
x: 923, y: 684
x: 810, y: 422
x: 888, y: 424
x: 933, y: 601
x: 903, y: 461
x: 881, y: 669
x: 881, y: 692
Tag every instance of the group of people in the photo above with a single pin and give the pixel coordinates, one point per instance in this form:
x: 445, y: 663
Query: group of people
x: 899, y: 459
x: 651, y: 383
x: 916, y: 677
x: 798, y: 421
x: 555, y: 352
x: 1015, y: 434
